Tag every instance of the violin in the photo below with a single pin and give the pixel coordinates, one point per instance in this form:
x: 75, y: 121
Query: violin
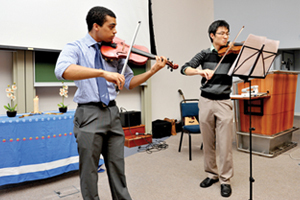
x: 235, y: 49
x: 139, y: 54
x: 226, y: 50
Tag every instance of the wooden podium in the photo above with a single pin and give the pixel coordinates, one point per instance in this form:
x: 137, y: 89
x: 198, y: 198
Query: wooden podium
x: 272, y: 115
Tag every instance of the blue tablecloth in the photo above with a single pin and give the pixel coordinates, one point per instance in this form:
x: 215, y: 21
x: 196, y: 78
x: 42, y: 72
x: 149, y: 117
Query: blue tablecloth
x: 37, y: 147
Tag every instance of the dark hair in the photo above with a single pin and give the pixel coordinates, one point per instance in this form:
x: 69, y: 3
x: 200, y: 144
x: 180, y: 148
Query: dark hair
x: 98, y: 15
x: 214, y: 27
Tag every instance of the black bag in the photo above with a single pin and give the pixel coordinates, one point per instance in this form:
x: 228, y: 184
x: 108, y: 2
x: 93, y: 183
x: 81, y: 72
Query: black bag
x: 161, y: 128
x: 130, y: 118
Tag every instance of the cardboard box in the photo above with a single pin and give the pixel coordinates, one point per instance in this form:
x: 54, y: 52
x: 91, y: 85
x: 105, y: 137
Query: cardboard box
x: 128, y: 131
x: 137, y: 140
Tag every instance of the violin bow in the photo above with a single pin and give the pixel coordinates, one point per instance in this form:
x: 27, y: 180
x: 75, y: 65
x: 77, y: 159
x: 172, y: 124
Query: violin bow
x: 226, y: 52
x: 129, y: 51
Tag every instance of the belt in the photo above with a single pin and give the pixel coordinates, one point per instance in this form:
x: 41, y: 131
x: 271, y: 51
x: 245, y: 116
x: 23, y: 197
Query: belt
x: 99, y: 104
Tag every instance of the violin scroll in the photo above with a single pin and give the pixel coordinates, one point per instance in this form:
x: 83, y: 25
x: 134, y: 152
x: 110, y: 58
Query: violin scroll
x: 171, y: 66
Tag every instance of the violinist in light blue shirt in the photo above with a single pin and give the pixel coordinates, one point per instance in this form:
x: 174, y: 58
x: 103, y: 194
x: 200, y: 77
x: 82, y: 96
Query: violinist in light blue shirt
x: 97, y: 125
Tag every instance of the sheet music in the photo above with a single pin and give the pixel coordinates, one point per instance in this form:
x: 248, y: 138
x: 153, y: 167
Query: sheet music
x: 250, y: 57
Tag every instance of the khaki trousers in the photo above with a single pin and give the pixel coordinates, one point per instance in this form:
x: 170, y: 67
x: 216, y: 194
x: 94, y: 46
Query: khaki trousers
x: 216, y: 125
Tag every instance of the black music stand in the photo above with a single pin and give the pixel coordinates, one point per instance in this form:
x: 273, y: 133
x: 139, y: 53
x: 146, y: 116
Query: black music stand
x: 254, y: 61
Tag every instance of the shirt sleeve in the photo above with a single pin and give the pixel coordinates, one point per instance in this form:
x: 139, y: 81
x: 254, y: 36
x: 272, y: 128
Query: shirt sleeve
x: 195, y: 62
x: 68, y: 56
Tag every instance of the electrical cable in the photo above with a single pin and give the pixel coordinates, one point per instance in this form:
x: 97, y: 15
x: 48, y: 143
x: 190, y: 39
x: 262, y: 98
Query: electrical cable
x: 154, y: 147
x: 293, y: 158
x: 151, y: 147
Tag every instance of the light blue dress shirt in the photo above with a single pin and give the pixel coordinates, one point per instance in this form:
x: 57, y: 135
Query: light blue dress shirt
x: 81, y: 52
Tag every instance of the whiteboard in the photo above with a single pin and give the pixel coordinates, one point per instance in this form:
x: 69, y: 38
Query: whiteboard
x: 51, y: 24
x: 274, y: 19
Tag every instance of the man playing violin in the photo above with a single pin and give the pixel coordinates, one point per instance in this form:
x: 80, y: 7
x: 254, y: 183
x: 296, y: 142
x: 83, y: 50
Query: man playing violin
x: 215, y: 107
x: 97, y: 125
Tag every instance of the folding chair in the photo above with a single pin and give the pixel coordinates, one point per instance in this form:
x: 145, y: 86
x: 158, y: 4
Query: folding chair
x: 189, y: 111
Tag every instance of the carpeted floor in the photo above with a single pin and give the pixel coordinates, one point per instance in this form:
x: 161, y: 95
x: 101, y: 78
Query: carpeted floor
x: 168, y: 174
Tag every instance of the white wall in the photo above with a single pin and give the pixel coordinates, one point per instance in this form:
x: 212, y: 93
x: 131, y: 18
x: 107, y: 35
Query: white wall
x: 5, y: 78
x: 275, y: 19
x: 180, y: 32
x: 49, y: 98
x: 48, y: 24
x: 297, y: 68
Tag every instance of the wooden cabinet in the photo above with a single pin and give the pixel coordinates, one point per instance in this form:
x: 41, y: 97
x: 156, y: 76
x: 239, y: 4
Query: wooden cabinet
x: 278, y: 109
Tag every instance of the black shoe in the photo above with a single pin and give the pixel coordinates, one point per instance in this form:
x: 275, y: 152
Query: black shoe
x: 208, y: 182
x: 225, y: 190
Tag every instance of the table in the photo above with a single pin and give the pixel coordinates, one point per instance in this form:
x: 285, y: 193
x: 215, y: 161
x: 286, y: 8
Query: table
x: 37, y: 147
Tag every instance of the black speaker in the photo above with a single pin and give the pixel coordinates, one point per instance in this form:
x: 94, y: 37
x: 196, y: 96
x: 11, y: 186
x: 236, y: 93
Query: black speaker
x: 161, y: 128
x: 130, y: 118
x: 178, y: 127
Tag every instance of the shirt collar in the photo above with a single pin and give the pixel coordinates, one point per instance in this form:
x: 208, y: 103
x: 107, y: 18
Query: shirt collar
x: 212, y: 48
x: 89, y: 40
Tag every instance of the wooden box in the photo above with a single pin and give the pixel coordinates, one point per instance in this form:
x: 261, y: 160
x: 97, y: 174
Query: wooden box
x: 137, y: 140
x: 128, y: 131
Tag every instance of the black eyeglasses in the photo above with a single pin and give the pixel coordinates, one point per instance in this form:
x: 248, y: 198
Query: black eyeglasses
x: 223, y: 33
